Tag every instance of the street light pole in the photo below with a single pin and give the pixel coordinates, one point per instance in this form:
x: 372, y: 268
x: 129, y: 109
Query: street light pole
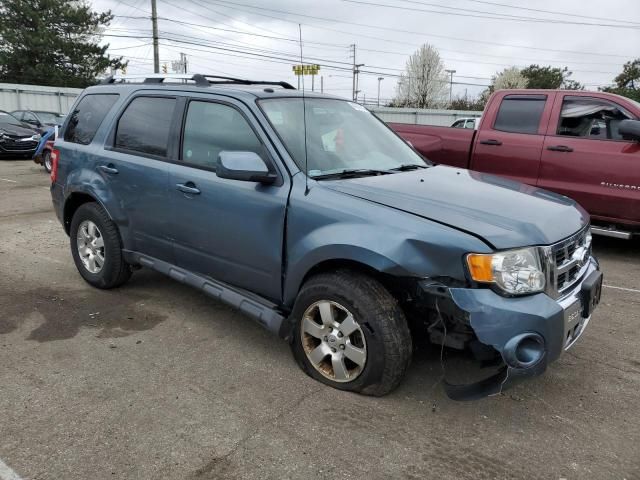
x: 379, y: 80
x: 451, y: 72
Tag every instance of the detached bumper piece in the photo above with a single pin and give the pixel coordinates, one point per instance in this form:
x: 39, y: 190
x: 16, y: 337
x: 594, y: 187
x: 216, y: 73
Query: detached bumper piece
x: 529, y: 332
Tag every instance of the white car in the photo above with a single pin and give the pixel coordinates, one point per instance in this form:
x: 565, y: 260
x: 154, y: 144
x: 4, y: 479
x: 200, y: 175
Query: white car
x: 465, y: 123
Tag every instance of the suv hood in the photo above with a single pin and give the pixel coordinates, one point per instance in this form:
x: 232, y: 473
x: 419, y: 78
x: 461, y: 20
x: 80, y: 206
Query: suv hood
x: 504, y: 213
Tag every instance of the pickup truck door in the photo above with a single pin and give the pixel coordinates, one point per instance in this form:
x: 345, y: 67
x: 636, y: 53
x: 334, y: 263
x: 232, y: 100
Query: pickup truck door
x: 509, y: 141
x: 229, y: 230
x: 586, y: 158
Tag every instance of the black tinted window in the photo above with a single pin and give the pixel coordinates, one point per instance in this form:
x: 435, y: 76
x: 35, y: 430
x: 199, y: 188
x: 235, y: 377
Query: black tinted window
x: 212, y: 128
x: 520, y: 113
x: 591, y: 118
x: 86, y: 117
x: 145, y: 125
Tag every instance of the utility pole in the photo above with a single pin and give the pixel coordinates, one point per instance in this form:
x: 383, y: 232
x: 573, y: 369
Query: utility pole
x: 379, y: 80
x: 183, y: 62
x: 321, y: 84
x: 356, y: 73
x: 154, y: 23
x: 353, y: 87
x: 451, y: 72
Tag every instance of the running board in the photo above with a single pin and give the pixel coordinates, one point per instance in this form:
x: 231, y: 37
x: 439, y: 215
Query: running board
x: 259, y: 309
x: 611, y: 232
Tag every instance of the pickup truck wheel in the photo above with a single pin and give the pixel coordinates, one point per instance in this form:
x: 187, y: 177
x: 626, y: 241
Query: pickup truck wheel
x: 96, y: 247
x: 350, y: 333
x: 46, y: 160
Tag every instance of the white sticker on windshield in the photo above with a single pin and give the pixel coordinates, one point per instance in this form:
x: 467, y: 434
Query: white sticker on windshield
x: 357, y: 106
x: 276, y: 117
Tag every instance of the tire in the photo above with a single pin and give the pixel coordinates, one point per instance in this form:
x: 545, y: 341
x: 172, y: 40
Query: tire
x: 99, y: 262
x: 46, y: 160
x: 382, y: 334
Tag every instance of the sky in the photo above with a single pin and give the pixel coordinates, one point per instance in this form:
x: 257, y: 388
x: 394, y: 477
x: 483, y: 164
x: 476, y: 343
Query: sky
x: 258, y: 39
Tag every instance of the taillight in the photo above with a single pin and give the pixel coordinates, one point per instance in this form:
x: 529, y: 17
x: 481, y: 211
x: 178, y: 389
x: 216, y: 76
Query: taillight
x: 55, y: 156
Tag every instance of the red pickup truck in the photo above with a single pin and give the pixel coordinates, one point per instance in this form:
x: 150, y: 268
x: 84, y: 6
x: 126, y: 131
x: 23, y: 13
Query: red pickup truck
x: 585, y: 145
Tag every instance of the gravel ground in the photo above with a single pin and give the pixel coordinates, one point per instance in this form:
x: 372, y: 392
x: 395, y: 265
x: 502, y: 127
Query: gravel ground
x: 156, y: 380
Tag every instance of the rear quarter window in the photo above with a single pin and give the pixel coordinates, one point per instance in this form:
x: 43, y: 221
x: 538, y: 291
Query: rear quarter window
x: 520, y: 113
x: 86, y: 117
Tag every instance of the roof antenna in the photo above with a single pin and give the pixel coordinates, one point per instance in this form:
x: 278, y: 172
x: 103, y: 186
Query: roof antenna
x: 304, y: 120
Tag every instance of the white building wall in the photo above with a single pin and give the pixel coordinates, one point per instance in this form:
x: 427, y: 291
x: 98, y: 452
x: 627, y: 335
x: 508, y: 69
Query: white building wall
x: 36, y: 97
x: 418, y: 116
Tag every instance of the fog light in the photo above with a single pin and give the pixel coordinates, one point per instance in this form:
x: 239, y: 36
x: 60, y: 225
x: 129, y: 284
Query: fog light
x: 524, y: 350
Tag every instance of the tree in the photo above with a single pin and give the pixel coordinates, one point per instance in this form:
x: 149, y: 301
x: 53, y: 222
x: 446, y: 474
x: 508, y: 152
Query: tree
x: 423, y: 83
x: 509, y: 78
x: 466, y: 103
x: 628, y: 82
x: 550, y: 78
x: 52, y: 42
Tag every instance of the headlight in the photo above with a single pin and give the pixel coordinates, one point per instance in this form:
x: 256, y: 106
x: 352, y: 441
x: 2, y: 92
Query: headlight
x: 514, y: 271
x: 3, y: 137
x: 36, y: 137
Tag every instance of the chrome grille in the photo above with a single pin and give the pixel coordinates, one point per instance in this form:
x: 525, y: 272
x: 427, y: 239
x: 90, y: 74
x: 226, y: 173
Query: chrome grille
x: 566, y: 262
x: 19, y: 146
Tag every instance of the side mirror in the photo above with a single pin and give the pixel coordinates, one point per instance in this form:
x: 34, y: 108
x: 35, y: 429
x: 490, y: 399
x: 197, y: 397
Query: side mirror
x: 244, y: 166
x: 630, y: 130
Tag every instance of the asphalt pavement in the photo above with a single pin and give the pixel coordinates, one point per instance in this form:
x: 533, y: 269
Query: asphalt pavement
x: 155, y: 380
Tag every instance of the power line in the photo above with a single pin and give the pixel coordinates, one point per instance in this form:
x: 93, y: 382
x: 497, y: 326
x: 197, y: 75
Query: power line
x: 492, y: 16
x: 395, y: 30
x: 538, y: 10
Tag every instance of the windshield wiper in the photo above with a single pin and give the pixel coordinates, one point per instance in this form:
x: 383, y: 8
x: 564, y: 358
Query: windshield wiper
x: 408, y: 166
x: 351, y: 173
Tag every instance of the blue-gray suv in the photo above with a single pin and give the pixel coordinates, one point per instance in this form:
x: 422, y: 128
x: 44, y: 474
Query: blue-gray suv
x: 308, y: 214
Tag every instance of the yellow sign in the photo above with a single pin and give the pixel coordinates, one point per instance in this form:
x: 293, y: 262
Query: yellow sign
x: 306, y: 69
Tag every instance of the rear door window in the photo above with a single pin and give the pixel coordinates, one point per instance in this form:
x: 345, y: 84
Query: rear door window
x: 520, y: 113
x: 86, y: 117
x: 145, y: 126
x: 591, y: 118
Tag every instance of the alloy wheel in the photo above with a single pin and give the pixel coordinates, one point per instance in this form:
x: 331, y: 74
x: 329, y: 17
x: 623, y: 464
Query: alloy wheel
x: 333, y: 341
x: 90, y: 246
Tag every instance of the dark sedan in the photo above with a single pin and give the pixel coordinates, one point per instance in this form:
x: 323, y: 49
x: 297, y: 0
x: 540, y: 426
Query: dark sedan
x: 16, y: 141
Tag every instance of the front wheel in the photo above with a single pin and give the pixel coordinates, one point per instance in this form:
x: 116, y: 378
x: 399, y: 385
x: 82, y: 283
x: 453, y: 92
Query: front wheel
x: 350, y: 333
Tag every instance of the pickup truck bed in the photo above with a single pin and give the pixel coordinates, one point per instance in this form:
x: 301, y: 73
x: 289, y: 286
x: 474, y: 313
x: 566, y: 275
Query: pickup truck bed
x: 570, y: 142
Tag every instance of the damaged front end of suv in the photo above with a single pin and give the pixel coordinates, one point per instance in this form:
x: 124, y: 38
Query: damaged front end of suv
x: 526, y: 306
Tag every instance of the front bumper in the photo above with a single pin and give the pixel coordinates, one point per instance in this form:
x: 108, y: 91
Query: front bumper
x: 528, y: 332
x: 15, y: 148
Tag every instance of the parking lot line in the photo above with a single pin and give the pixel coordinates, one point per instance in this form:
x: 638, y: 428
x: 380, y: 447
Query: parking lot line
x: 622, y: 288
x: 6, y: 473
x: 7, y: 180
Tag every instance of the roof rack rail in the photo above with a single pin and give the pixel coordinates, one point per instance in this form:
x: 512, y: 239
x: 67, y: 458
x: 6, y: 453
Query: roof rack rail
x: 199, y: 79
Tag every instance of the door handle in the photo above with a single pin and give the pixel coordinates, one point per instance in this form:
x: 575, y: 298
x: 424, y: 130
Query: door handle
x: 188, y: 187
x: 491, y: 142
x: 110, y: 169
x: 560, y: 148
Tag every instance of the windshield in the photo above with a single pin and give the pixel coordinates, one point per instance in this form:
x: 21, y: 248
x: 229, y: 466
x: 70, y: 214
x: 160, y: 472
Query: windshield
x: 50, y: 117
x: 10, y: 119
x: 341, y: 136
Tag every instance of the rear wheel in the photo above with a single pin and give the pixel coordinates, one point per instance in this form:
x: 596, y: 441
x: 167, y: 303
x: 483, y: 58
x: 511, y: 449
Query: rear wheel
x: 96, y: 247
x: 350, y: 333
x: 46, y: 160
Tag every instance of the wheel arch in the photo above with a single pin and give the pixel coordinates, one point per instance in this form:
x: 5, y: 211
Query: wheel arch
x: 74, y: 201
